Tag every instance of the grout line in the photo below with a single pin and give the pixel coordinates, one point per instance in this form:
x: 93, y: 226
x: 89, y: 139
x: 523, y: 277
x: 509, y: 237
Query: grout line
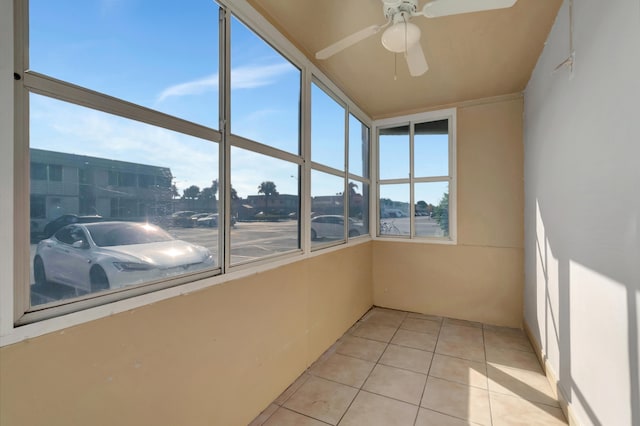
x: 486, y: 367
x: 369, y: 375
x: 433, y: 355
x: 306, y: 415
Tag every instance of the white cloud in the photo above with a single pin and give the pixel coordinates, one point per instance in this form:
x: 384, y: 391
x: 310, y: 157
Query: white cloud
x: 247, y: 77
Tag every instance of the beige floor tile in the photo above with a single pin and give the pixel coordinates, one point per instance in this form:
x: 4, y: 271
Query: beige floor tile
x: 458, y: 332
x: 396, y: 383
x: 381, y: 333
x: 284, y: 417
x: 386, y: 317
x: 322, y: 399
x: 526, y: 384
x: 343, y: 369
x: 291, y: 389
x: 457, y: 400
x: 374, y: 410
x: 507, y: 339
x: 424, y: 316
x: 464, y: 323
x: 514, y: 359
x: 407, y: 358
x: 463, y: 371
x: 264, y: 416
x: 420, y: 325
x: 431, y: 418
x: 413, y: 339
x: 511, y: 411
x: 358, y: 347
x: 460, y: 348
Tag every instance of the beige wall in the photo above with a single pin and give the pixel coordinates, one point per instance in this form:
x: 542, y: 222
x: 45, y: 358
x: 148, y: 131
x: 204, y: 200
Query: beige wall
x: 482, y: 277
x: 215, y: 357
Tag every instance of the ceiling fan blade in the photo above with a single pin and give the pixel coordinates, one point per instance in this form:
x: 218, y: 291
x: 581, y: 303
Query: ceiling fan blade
x: 348, y: 41
x: 416, y: 61
x: 437, y: 8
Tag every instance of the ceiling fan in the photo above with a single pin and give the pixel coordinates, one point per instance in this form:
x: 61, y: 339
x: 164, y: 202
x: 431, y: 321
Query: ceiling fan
x: 402, y: 36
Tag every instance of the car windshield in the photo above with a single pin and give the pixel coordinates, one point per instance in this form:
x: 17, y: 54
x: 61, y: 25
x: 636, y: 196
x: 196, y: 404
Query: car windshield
x: 126, y: 233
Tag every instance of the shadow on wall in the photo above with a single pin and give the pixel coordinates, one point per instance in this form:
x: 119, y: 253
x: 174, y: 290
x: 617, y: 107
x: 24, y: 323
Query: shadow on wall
x: 558, y: 252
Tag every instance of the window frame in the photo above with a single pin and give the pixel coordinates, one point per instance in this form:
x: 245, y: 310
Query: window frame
x: 18, y: 320
x: 449, y: 114
x: 344, y: 174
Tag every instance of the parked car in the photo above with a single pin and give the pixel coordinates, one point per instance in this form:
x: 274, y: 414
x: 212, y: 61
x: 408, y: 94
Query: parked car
x: 108, y: 255
x: 211, y: 220
x: 332, y: 226
x: 182, y: 218
x: 67, y: 219
x: 195, y: 217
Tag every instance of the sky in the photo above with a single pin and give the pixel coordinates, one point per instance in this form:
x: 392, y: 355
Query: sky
x: 163, y: 55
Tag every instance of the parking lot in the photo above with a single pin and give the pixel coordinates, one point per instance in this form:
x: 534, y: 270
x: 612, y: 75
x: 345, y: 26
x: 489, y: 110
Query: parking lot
x: 249, y: 241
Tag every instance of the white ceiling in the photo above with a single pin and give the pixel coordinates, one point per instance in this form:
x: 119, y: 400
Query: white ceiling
x: 470, y: 56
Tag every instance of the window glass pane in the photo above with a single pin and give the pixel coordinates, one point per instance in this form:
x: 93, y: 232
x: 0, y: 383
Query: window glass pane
x: 160, y: 55
x: 327, y: 208
x: 133, y: 234
x: 55, y: 172
x: 358, y: 208
x: 358, y: 147
x: 432, y: 209
x: 265, y: 92
x: 327, y: 129
x: 394, y: 209
x: 393, y: 154
x: 265, y: 205
x: 38, y: 171
x: 431, y: 149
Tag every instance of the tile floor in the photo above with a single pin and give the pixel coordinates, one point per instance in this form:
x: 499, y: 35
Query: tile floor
x: 399, y: 368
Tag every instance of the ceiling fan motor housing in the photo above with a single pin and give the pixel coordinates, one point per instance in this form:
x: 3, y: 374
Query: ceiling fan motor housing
x: 395, y: 10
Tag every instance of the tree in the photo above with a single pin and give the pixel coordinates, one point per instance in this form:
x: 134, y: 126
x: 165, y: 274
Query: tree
x: 191, y: 193
x: 268, y: 188
x: 173, y: 190
x: 207, y: 194
x: 355, y: 201
x: 441, y: 213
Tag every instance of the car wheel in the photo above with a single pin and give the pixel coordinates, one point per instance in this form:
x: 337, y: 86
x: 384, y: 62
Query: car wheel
x: 314, y: 235
x: 354, y: 233
x: 99, y: 280
x: 38, y: 271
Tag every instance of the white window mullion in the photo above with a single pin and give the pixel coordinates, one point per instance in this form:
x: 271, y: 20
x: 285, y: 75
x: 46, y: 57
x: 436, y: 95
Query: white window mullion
x: 224, y: 184
x: 305, y: 171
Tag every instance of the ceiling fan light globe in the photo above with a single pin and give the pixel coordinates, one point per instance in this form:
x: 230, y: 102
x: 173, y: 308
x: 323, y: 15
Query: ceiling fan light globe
x: 400, y: 36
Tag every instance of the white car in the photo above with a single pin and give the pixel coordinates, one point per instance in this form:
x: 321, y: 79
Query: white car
x: 332, y: 226
x: 108, y: 255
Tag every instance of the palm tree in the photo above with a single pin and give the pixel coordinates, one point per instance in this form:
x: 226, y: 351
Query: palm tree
x: 268, y: 188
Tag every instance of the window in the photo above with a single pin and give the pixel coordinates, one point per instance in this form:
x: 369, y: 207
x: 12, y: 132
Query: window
x: 38, y: 171
x: 194, y: 148
x: 265, y: 92
x: 265, y: 153
x: 114, y: 196
x: 416, y: 185
x: 123, y: 50
x: 265, y: 206
x: 103, y: 133
x: 338, y: 186
x: 358, y: 187
x: 55, y: 173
